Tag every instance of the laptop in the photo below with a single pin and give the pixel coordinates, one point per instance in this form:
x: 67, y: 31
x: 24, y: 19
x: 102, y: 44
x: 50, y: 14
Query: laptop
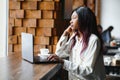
x: 27, y: 50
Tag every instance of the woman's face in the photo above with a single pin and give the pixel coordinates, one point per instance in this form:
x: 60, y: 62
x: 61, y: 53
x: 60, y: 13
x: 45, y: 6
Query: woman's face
x: 74, y: 21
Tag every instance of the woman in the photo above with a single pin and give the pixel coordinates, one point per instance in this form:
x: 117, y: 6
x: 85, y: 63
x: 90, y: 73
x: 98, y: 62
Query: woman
x: 83, y: 47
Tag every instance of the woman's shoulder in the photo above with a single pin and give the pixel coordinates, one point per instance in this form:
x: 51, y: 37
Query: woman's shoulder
x: 93, y: 37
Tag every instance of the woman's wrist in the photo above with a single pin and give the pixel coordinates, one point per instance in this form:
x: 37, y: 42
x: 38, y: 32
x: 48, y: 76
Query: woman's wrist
x: 62, y: 61
x: 66, y: 33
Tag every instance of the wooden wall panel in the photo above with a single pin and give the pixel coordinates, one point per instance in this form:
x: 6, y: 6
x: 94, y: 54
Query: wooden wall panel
x: 18, y: 22
x: 47, y: 14
x: 29, y: 22
x: 43, y: 32
x: 32, y: 5
x: 46, y: 23
x: 47, y: 5
x: 14, y: 5
x: 31, y: 16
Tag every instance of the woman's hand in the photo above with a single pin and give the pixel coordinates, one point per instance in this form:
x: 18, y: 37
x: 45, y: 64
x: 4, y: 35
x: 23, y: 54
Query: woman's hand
x: 67, y: 31
x: 54, y: 57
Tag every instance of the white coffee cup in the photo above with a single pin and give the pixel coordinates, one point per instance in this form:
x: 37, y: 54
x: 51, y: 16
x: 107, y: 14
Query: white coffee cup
x: 44, y: 51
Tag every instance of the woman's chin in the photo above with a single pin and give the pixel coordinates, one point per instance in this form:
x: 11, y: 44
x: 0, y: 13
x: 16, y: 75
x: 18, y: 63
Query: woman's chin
x: 73, y: 29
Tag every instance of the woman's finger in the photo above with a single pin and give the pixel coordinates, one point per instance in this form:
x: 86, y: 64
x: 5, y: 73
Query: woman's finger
x: 50, y: 57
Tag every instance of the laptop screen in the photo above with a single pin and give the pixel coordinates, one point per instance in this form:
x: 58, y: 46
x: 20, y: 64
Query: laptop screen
x: 27, y: 46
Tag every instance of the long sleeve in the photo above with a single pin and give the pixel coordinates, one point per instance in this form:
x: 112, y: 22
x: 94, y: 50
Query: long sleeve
x: 62, y: 48
x: 88, y: 59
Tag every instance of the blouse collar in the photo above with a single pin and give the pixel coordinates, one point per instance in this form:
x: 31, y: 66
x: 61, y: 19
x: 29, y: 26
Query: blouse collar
x: 78, y: 39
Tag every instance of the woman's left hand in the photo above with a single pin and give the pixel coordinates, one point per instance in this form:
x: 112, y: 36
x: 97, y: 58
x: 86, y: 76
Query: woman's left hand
x: 54, y: 57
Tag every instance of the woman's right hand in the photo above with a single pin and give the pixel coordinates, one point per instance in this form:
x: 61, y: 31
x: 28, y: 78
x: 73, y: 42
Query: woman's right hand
x: 67, y: 31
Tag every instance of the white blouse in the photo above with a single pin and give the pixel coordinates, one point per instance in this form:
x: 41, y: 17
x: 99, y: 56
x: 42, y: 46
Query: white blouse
x: 87, y: 65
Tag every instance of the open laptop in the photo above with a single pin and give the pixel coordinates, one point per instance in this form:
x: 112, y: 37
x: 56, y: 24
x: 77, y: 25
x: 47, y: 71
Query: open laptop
x: 27, y: 50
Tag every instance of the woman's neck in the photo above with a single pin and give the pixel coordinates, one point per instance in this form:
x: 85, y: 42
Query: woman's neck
x: 79, y: 34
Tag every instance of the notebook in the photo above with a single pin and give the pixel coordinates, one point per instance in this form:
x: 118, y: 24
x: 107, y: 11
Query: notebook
x: 27, y: 49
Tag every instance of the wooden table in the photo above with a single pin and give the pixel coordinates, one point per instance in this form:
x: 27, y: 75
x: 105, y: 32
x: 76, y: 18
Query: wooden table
x: 14, y: 67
